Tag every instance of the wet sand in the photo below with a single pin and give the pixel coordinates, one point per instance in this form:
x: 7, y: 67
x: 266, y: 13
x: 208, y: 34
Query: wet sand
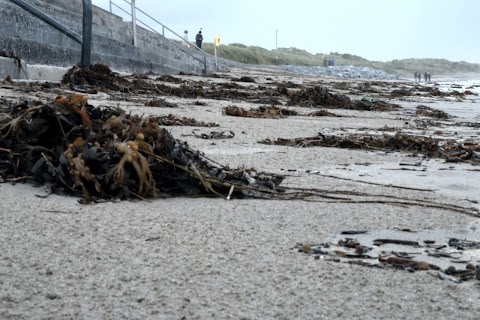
x: 206, y: 258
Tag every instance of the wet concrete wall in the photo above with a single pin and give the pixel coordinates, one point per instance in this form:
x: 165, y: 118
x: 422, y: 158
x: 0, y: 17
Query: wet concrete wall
x: 112, y: 43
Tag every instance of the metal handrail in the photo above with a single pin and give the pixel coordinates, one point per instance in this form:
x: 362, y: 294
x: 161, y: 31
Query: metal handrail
x: 204, y: 62
x: 85, y: 40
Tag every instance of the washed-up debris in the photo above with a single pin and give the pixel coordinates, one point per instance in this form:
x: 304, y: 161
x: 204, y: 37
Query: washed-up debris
x: 71, y: 146
x: 431, y: 250
x: 401, y: 92
x: 322, y: 113
x: 172, y: 120
x: 228, y: 85
x: 184, y: 91
x: 342, y: 85
x: 450, y: 150
x: 438, y: 93
x: 244, y: 79
x: 271, y: 112
x: 99, y: 75
x: 161, y: 103
x: 431, y: 112
x: 366, y: 87
x: 463, y: 244
x: 282, y: 87
x: 106, y: 153
x: 319, y: 96
x: 169, y: 78
x: 374, y: 105
x: 215, y: 135
x: 199, y: 103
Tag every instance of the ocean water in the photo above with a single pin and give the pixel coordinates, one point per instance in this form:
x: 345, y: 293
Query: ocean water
x: 461, y: 86
x: 469, y: 108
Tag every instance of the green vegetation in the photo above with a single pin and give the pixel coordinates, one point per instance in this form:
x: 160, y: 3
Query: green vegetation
x: 292, y: 56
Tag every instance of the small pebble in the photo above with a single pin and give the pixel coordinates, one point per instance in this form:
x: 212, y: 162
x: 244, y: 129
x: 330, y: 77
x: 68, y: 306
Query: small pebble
x: 53, y: 296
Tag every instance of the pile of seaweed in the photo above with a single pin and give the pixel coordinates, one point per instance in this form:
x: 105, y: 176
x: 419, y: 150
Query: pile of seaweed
x: 99, y: 76
x: 321, y: 96
x: 271, y: 112
x: 451, y: 151
x: 95, y: 153
x: 431, y: 112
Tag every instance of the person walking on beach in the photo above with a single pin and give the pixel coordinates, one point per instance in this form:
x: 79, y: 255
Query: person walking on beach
x: 199, y: 39
x: 325, y: 62
x: 418, y: 77
x: 185, y: 38
x: 425, y: 76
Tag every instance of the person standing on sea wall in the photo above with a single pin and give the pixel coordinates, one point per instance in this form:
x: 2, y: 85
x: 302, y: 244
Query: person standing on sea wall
x: 185, y: 38
x: 199, y: 39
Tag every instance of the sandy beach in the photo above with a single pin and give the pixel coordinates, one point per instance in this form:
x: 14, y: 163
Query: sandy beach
x: 210, y: 258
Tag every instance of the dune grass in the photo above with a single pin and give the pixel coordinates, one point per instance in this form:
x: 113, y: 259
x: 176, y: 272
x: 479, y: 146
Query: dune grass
x: 293, y: 56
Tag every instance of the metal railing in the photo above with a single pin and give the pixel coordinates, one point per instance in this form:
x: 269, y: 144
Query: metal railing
x: 85, y: 40
x: 132, y: 14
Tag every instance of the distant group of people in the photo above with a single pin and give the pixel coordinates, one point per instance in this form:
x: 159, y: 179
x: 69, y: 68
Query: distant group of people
x: 418, y: 77
x: 198, y: 39
x: 328, y: 62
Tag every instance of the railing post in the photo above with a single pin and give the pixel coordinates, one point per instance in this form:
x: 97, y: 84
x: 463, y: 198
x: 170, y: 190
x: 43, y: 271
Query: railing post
x: 134, y: 23
x: 110, y: 6
x: 204, y: 64
x: 87, y: 33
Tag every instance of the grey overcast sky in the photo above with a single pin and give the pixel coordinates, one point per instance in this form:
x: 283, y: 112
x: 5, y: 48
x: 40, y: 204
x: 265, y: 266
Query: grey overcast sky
x: 380, y: 30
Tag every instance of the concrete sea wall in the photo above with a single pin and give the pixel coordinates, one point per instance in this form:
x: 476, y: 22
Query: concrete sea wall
x: 35, y: 42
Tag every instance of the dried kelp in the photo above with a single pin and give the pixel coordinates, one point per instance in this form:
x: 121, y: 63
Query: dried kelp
x: 401, y: 92
x: 452, y: 151
x: 161, y: 103
x: 431, y: 112
x: 215, y: 135
x: 322, y: 113
x: 271, y: 112
x: 449, y: 258
x: 99, y: 75
x: 319, y: 96
x: 373, y: 105
x: 172, y: 120
x: 184, y: 91
x: 106, y: 153
x: 244, y: 79
x: 169, y: 78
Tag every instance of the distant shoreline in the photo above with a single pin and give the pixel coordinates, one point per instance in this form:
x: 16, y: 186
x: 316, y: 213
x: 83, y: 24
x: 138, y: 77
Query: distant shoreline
x: 457, y: 77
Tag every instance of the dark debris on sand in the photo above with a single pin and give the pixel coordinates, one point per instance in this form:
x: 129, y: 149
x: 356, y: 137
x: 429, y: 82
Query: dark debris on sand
x: 105, y: 153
